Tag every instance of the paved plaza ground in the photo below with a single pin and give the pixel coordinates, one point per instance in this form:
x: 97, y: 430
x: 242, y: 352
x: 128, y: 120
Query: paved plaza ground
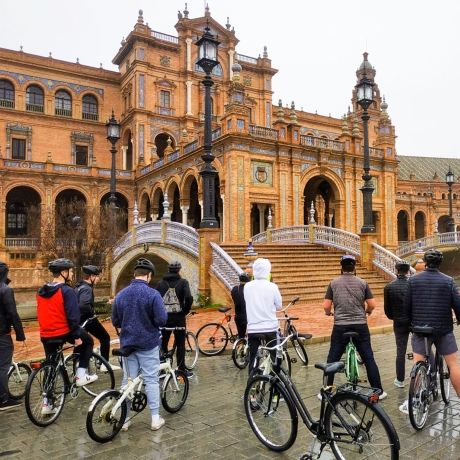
x: 212, y: 424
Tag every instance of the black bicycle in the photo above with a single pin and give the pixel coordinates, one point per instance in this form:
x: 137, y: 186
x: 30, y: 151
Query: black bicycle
x: 351, y: 421
x: 423, y: 389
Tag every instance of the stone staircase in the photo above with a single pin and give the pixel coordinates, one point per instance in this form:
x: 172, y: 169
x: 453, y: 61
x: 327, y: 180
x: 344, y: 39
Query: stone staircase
x: 304, y: 270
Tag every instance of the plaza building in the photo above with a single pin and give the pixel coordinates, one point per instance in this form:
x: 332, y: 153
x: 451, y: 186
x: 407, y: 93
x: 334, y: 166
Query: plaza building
x: 277, y: 166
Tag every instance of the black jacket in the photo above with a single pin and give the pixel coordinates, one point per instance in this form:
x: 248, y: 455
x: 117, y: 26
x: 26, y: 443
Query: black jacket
x: 85, y: 295
x: 8, y: 313
x: 431, y: 297
x: 394, y: 295
x: 237, y: 294
x: 183, y: 294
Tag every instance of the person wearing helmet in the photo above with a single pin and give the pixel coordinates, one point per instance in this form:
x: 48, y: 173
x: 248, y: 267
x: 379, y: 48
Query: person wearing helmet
x: 59, y: 318
x: 139, y: 312
x: 431, y: 298
x: 352, y: 299
x: 237, y: 294
x: 178, y: 300
x: 9, y: 319
x: 394, y: 295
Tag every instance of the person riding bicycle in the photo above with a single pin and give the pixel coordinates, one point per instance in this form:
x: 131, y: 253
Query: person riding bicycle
x: 237, y: 294
x: 139, y: 311
x: 263, y: 299
x: 85, y: 294
x: 178, y: 301
x: 394, y: 295
x: 431, y: 297
x: 352, y: 299
x: 59, y: 318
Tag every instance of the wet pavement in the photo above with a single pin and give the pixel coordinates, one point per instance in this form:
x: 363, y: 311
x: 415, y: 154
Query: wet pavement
x: 212, y: 424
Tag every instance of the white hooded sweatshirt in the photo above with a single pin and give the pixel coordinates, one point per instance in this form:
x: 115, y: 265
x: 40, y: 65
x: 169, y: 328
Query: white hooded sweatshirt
x: 263, y: 299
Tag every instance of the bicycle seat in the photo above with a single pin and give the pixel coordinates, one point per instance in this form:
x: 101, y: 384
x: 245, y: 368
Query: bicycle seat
x: 224, y: 309
x: 423, y: 330
x: 330, y: 368
x: 292, y: 318
x: 124, y: 352
x: 350, y: 335
x: 304, y: 336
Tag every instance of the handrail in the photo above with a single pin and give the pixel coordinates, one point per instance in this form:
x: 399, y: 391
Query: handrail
x: 432, y: 241
x: 386, y: 260
x: 182, y: 236
x: 244, y: 58
x: 224, y: 267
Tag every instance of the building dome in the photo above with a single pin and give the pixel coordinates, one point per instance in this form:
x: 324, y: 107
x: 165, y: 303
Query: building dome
x: 365, y: 65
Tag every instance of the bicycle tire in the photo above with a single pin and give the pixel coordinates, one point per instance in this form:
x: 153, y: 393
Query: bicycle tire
x: 444, y: 379
x: 173, y: 397
x: 191, y: 350
x: 17, y: 380
x: 355, y: 427
x: 99, y: 416
x: 97, y: 365
x: 286, y: 363
x: 47, y: 382
x: 240, y: 353
x: 298, y: 345
x: 212, y: 339
x: 270, y: 412
x: 418, y: 402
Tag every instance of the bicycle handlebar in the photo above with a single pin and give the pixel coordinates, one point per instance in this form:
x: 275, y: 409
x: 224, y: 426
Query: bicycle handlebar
x: 290, y: 304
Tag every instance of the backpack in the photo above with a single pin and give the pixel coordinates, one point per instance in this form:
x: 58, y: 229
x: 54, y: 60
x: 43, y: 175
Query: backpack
x: 171, y: 301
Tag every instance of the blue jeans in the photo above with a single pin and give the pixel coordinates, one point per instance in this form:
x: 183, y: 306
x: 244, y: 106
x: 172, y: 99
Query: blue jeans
x: 147, y: 362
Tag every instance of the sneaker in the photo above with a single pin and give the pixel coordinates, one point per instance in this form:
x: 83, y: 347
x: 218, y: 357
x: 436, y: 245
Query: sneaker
x: 383, y: 395
x: 47, y: 409
x: 85, y: 380
x: 115, y: 367
x: 404, y: 407
x: 319, y: 396
x: 157, y: 423
x: 126, y: 426
x: 9, y: 404
x: 399, y: 384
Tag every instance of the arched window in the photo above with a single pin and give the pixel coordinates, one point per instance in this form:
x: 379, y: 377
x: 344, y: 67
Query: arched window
x: 443, y: 196
x: 90, y: 108
x: 6, y: 94
x: 63, y: 104
x: 34, y: 99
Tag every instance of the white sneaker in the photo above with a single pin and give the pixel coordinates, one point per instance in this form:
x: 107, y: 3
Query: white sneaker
x: 47, y: 409
x: 85, y: 380
x: 157, y: 423
x: 383, y: 395
x: 399, y: 384
x: 126, y: 426
x: 114, y: 367
x: 319, y: 396
x: 404, y: 407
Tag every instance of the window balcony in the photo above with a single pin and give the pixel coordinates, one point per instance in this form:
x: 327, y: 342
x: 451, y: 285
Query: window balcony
x: 7, y: 103
x: 63, y: 112
x: 90, y: 116
x: 166, y: 111
x: 35, y: 108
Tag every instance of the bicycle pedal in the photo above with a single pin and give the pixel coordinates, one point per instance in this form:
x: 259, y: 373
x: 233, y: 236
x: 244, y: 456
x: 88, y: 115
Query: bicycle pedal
x: 410, y: 356
x: 293, y: 360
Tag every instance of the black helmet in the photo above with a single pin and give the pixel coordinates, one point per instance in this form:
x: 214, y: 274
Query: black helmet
x: 58, y: 265
x: 244, y: 277
x: 348, y: 260
x: 174, y: 266
x: 91, y: 270
x: 402, y: 265
x: 3, y: 267
x: 433, y: 258
x: 145, y: 264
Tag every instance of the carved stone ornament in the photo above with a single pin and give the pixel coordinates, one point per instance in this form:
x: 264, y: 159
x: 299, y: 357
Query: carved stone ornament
x: 247, y: 80
x: 165, y: 61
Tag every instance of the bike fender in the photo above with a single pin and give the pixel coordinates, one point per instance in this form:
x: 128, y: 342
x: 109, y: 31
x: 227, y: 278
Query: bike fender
x: 97, y: 398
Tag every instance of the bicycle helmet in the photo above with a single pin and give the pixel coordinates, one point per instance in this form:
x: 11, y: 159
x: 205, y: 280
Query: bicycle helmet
x: 244, y: 277
x: 58, y: 265
x: 348, y: 260
x: 433, y: 258
x: 402, y: 265
x: 175, y: 266
x: 91, y: 270
x: 145, y: 264
x: 3, y: 267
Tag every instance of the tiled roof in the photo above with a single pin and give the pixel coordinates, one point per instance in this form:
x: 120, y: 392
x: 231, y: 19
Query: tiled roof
x: 427, y: 168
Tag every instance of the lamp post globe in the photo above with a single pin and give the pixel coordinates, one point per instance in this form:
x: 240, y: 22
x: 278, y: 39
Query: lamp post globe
x: 113, y: 135
x: 207, y: 52
x: 450, y: 180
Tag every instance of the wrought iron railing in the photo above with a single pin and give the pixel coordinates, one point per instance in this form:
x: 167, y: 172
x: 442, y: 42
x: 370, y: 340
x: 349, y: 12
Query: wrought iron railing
x: 224, y: 267
x: 439, y: 239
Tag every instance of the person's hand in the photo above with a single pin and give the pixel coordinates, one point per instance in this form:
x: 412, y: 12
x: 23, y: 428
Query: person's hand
x: 78, y: 342
x: 110, y: 301
x: 368, y: 312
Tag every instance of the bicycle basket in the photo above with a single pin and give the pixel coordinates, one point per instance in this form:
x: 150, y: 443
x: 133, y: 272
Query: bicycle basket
x: 351, y: 365
x: 371, y: 394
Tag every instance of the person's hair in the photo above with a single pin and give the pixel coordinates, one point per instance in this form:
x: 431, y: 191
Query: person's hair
x: 348, y: 268
x: 433, y: 258
x: 402, y: 267
x: 141, y: 272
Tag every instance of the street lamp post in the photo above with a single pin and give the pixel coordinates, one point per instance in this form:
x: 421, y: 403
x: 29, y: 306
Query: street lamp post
x: 207, y: 46
x: 364, y: 93
x: 113, y: 134
x: 450, y: 179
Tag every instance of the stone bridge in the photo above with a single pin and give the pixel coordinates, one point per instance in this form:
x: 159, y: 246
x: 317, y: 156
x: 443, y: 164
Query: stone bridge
x: 441, y: 241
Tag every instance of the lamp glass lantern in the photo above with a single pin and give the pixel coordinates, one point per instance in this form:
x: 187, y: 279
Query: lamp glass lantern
x: 450, y: 178
x: 113, y: 129
x: 207, y: 51
x: 365, y: 92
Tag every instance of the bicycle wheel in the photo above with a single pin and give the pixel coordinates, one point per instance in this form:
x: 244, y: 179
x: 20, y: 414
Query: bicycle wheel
x: 45, y: 394
x: 270, y: 412
x: 444, y: 379
x: 357, y: 428
x: 101, y: 424
x: 97, y: 365
x: 240, y: 353
x: 17, y: 380
x: 212, y: 339
x: 419, y: 396
x: 191, y: 350
x: 286, y: 364
x: 175, y: 391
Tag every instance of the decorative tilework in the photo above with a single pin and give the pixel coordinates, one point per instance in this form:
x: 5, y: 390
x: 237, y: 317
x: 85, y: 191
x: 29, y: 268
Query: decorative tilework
x: 283, y: 209
x: 141, y: 90
x: 141, y: 144
x: 296, y: 200
x: 305, y: 166
x: 262, y: 173
x: 263, y: 151
x: 240, y: 197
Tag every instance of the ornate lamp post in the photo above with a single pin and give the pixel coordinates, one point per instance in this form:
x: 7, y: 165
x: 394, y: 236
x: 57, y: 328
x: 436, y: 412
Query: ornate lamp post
x: 364, y: 93
x: 113, y: 134
x: 450, y: 179
x: 207, y: 45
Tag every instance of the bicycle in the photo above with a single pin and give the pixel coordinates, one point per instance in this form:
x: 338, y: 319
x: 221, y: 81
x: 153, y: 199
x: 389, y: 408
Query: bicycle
x: 423, y: 387
x: 49, y: 383
x: 18, y: 374
x: 351, y: 422
x: 212, y: 338
x: 351, y: 359
x: 107, y: 412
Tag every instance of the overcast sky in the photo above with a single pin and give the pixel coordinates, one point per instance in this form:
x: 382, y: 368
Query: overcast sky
x: 316, y: 45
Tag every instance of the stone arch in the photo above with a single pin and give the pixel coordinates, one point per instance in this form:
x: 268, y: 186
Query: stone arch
x: 419, y: 225
x: 403, y: 225
x: 157, y: 202
x: 70, y: 213
x: 174, y: 195
x: 23, y: 212
x: 443, y: 224
x: 145, y: 211
x: 190, y: 199
x: 122, y: 208
x: 162, y: 143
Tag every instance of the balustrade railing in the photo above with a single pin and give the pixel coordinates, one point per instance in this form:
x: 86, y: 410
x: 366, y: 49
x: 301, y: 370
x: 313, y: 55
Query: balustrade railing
x: 244, y: 58
x: 321, y: 143
x: 263, y: 132
x: 63, y: 112
x: 224, y: 267
x: 385, y: 260
x: 165, y: 37
x: 8, y: 103
x: 90, y: 116
x: 35, y: 108
x: 191, y: 146
x: 24, y: 243
x: 422, y: 244
x: 182, y: 236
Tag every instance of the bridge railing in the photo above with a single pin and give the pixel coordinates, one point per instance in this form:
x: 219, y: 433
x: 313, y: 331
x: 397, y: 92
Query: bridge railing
x: 422, y: 244
x: 182, y: 236
x: 386, y: 260
x: 224, y: 267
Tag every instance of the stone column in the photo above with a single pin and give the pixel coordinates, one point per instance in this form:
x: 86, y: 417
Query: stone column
x: 261, y: 208
x: 184, y: 210
x: 188, y: 108
x: 206, y: 235
x: 188, y: 55
x: 201, y: 207
x: 231, y: 60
